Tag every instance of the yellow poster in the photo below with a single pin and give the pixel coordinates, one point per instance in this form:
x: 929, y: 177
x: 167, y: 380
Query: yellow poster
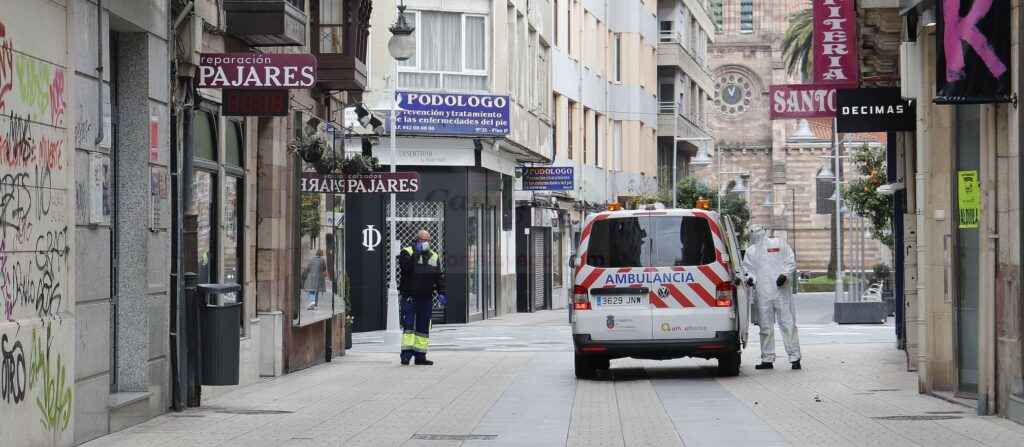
x: 969, y: 199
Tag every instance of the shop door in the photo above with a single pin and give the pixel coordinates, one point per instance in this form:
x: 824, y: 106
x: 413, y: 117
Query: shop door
x: 410, y: 218
x: 966, y: 253
x: 490, y: 262
x: 539, y: 268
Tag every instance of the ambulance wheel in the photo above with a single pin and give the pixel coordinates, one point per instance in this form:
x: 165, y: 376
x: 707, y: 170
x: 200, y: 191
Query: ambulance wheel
x: 585, y: 367
x: 729, y: 364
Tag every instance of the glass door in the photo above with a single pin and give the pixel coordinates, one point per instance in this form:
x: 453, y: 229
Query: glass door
x: 490, y: 261
x: 966, y: 248
x: 473, y: 254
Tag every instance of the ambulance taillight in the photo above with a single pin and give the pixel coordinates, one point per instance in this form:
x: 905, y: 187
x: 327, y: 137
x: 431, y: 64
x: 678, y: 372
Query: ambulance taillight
x: 725, y: 293
x: 580, y: 298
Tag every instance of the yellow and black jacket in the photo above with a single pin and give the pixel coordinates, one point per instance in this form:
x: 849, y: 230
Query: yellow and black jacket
x: 420, y: 274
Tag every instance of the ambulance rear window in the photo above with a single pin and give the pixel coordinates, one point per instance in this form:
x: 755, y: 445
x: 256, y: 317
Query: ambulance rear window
x: 650, y: 241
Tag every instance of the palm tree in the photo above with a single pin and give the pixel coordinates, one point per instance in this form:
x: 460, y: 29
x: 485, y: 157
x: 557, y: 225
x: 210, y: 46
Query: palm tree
x: 798, y: 42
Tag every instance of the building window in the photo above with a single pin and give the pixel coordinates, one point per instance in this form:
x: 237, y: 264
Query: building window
x: 716, y: 13
x: 569, y: 126
x: 557, y: 257
x: 542, y: 80
x: 452, y: 52
x: 331, y: 26
x: 618, y: 58
x: 597, y: 139
x: 213, y: 170
x: 558, y: 40
x: 747, y: 16
x: 665, y: 31
x: 617, y: 141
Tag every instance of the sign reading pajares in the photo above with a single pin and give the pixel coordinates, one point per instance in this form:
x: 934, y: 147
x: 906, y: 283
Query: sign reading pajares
x: 256, y: 71
x: 973, y: 54
x: 874, y: 110
x: 453, y: 114
x: 379, y: 183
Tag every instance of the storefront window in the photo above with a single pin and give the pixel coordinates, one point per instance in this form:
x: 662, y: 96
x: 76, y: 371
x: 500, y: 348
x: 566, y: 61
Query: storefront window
x: 321, y: 270
x: 473, y: 260
x: 202, y: 206
x: 232, y: 229
x: 217, y: 200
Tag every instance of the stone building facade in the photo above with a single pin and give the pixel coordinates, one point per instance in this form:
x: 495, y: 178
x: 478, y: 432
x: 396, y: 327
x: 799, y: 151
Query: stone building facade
x: 777, y: 169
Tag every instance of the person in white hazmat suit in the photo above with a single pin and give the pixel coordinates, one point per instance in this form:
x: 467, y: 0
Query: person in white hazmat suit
x: 770, y: 265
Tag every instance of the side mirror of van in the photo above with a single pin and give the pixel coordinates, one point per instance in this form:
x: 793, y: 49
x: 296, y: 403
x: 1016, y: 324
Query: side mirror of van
x: 572, y: 262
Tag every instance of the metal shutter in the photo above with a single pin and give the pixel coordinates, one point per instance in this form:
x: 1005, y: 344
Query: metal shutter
x: 540, y: 285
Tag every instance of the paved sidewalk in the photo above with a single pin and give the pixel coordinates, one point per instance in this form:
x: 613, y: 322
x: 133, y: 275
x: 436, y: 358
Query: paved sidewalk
x: 521, y: 392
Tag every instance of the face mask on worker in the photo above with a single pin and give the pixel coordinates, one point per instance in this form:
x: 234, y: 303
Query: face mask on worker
x: 756, y: 234
x: 424, y: 245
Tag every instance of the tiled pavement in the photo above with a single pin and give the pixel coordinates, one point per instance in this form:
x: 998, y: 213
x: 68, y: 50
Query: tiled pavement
x: 509, y: 382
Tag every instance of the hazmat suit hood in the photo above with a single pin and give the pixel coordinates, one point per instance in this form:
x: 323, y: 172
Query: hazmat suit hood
x: 756, y: 234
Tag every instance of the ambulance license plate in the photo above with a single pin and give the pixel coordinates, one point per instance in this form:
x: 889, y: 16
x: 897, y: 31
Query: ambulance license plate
x: 619, y: 300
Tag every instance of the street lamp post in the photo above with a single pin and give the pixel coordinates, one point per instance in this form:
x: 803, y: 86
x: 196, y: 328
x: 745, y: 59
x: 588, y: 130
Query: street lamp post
x: 401, y: 47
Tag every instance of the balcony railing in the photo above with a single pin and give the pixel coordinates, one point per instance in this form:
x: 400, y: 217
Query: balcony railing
x: 673, y: 36
x: 674, y: 109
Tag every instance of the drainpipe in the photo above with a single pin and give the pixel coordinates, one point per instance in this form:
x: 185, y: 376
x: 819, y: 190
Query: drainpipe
x: 582, y: 116
x: 99, y: 71
x: 921, y: 160
x: 607, y: 86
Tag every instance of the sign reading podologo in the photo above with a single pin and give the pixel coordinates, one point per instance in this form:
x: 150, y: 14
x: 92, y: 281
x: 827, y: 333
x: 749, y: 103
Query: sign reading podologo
x: 249, y: 71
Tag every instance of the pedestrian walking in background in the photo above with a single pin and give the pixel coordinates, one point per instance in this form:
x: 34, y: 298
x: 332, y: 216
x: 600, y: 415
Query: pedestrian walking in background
x: 770, y: 265
x: 316, y: 270
x: 421, y: 276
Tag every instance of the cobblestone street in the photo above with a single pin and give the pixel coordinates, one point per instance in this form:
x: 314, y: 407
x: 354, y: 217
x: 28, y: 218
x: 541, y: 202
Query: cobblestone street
x: 509, y: 382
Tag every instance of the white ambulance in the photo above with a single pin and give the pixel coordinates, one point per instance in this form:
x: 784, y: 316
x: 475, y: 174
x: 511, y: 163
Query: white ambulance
x: 658, y: 284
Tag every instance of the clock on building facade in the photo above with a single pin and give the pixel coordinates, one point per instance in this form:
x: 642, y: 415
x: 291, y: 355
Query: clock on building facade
x: 734, y: 94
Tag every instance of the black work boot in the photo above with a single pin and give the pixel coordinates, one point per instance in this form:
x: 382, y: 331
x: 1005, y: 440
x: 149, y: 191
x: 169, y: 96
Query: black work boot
x: 405, y: 361
x: 796, y: 364
x: 764, y: 365
x: 424, y: 362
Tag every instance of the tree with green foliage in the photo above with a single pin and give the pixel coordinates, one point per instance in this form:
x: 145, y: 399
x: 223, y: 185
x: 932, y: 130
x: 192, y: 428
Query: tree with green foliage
x: 734, y: 206
x: 862, y: 195
x: 798, y: 43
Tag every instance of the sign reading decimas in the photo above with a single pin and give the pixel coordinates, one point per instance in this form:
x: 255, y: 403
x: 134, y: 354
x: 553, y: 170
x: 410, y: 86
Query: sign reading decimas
x: 548, y: 179
x: 453, y: 114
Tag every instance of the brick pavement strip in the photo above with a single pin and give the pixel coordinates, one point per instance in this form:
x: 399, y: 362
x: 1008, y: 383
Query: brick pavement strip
x: 846, y: 395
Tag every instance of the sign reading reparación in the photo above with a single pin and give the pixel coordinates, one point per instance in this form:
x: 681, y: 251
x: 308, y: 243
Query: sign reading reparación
x: 425, y: 113
x: 379, y: 183
x: 874, y: 110
x: 256, y: 71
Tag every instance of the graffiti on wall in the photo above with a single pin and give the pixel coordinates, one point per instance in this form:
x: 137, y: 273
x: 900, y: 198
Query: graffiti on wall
x: 36, y: 345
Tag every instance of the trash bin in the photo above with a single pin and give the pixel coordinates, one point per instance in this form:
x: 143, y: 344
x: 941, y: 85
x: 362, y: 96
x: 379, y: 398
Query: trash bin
x: 218, y: 334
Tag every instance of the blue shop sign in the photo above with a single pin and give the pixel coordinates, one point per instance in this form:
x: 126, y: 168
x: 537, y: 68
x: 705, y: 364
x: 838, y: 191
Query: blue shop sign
x: 548, y: 179
x: 426, y: 113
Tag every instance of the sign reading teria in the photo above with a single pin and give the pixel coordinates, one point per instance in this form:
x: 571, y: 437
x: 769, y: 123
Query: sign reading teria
x: 381, y: 183
x: 256, y: 71
x: 801, y: 101
x: 453, y: 114
x: 835, y: 42
x: 874, y: 110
